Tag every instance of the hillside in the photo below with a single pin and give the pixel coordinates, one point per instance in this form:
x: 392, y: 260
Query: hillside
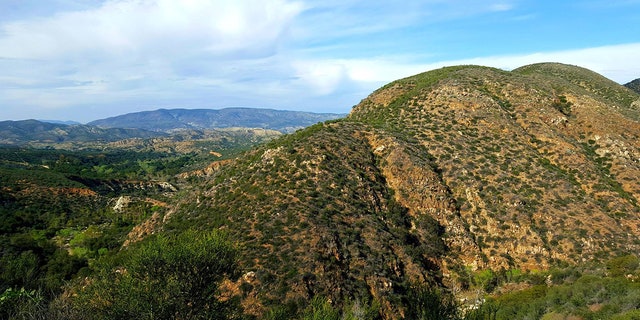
x: 542, y: 162
x: 431, y: 177
x: 199, y: 119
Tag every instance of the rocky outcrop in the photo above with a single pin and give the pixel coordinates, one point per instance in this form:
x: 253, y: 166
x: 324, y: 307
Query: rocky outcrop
x: 208, y: 171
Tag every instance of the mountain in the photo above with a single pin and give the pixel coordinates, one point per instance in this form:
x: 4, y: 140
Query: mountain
x: 176, y: 119
x: 67, y: 122
x: 438, y: 178
x: 634, y: 85
x: 514, y: 195
x: 34, y: 131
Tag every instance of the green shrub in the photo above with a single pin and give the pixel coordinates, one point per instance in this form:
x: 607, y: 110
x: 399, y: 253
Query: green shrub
x: 167, y: 277
x: 630, y: 315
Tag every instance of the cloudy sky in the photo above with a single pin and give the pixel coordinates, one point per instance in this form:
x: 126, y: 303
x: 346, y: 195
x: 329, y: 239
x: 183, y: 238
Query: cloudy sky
x: 89, y: 59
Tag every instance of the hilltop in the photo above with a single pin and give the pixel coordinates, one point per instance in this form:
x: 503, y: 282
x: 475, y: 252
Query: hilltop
x: 541, y: 162
x: 200, y: 119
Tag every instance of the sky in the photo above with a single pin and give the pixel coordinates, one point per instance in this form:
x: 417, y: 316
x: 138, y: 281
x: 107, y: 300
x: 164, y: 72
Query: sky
x: 84, y: 60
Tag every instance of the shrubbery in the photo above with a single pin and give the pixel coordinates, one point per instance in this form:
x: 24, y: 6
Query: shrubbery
x: 166, y: 277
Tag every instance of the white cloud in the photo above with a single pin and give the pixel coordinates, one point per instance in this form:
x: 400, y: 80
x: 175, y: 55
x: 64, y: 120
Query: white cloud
x: 118, y: 56
x: 500, y: 7
x: 158, y: 27
x: 323, y: 77
x: 132, y: 53
x: 618, y: 63
x: 343, y: 18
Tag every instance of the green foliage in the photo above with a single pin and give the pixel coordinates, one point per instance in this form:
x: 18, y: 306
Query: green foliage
x: 568, y: 77
x: 313, y: 211
x: 622, y: 266
x: 358, y: 310
x: 486, y: 311
x: 33, y: 262
x: 167, y: 277
x: 522, y: 304
x: 629, y: 315
x: 587, y: 297
x: 486, y: 279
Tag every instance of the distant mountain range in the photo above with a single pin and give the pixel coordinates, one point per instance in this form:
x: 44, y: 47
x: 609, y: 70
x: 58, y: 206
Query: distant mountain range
x: 68, y: 122
x: 151, y: 124
x: 164, y: 120
x: 28, y: 131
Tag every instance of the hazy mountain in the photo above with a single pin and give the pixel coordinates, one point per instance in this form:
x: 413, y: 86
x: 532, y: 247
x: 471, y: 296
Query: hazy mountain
x: 38, y: 132
x: 175, y: 119
x: 634, y: 85
x: 67, y: 122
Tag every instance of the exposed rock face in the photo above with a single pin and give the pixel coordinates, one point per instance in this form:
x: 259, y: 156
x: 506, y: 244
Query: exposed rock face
x: 208, y: 171
x: 420, y: 189
x: 143, y: 230
x: 121, y: 203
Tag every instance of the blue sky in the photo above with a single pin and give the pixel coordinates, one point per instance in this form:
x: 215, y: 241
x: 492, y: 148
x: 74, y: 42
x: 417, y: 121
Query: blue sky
x: 89, y: 59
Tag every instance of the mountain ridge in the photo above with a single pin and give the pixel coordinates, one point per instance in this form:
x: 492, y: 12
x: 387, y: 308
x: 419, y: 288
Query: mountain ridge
x: 176, y: 119
x: 155, y: 124
x: 24, y: 132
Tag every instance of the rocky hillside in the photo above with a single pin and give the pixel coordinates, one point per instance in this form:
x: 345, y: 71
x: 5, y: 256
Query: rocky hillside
x: 541, y: 163
x: 199, y: 119
x: 429, y: 180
